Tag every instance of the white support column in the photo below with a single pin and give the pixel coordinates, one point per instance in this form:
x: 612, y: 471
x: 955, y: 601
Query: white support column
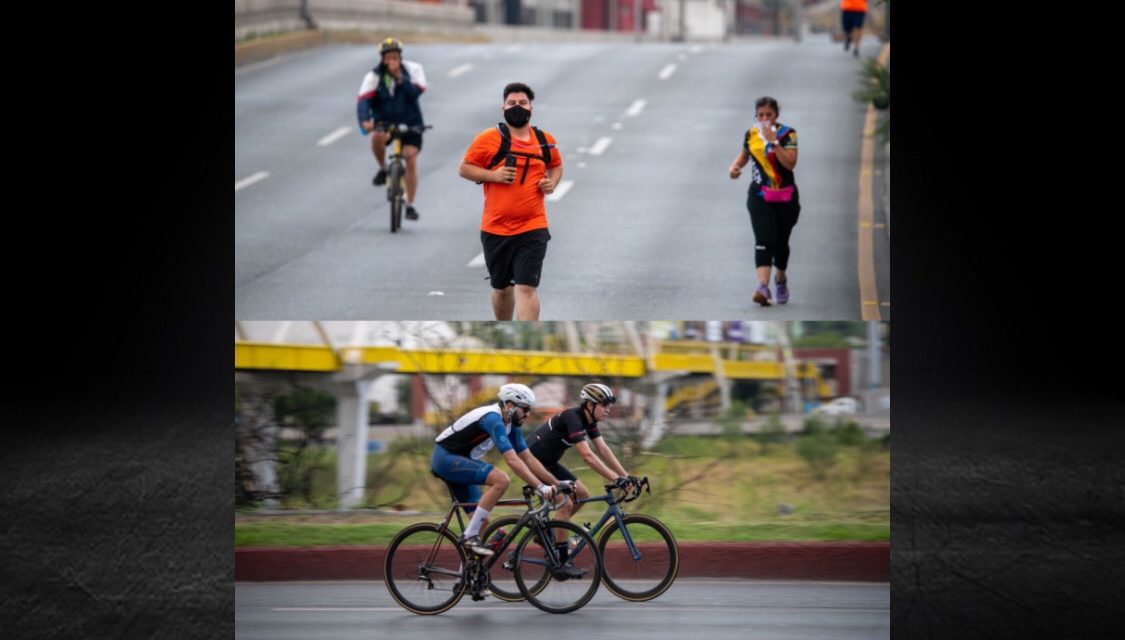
x: 351, y: 444
x: 656, y: 428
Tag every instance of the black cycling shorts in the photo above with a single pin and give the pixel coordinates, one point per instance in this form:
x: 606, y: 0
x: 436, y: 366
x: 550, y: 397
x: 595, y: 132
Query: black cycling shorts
x: 560, y: 472
x: 412, y: 138
x: 515, y: 259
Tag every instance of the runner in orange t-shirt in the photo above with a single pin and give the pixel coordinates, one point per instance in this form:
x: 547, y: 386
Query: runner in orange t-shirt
x: 513, y: 225
x: 852, y: 13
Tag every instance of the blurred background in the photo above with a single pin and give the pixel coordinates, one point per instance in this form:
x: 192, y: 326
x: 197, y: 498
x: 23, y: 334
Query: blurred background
x: 748, y: 430
x: 672, y: 20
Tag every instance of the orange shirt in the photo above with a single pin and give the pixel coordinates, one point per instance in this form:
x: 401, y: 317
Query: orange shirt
x: 853, y: 5
x: 513, y: 208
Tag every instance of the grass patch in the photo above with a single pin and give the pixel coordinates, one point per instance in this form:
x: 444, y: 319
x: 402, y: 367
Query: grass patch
x: 288, y: 534
x: 704, y: 488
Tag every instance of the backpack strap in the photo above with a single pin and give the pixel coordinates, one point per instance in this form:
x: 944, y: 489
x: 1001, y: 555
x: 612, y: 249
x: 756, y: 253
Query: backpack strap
x: 543, y: 145
x: 505, y: 145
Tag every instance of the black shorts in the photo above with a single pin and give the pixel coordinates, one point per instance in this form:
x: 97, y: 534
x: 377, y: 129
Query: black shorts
x: 851, y: 20
x: 560, y: 472
x: 412, y: 138
x: 408, y: 137
x: 515, y: 259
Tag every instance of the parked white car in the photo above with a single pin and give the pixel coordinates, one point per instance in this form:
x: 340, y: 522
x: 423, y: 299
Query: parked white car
x: 838, y: 407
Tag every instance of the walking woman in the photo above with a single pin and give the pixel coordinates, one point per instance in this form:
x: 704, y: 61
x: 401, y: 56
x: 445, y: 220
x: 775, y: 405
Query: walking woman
x: 773, y: 199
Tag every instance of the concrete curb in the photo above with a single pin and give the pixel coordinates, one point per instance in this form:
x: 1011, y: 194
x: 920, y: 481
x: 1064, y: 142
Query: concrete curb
x: 852, y: 561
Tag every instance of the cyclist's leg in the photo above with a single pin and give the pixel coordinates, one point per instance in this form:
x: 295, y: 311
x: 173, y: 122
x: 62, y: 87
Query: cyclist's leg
x: 562, y: 473
x: 463, y: 475
x: 411, y: 147
x: 379, y: 147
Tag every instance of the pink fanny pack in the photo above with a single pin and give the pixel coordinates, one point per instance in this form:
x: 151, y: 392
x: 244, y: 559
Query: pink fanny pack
x: 785, y: 194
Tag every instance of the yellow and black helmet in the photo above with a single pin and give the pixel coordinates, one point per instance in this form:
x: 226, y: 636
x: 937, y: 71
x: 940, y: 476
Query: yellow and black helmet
x: 597, y: 393
x: 390, y: 44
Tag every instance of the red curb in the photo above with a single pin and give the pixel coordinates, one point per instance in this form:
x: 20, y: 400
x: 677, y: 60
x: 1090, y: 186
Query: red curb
x: 860, y: 561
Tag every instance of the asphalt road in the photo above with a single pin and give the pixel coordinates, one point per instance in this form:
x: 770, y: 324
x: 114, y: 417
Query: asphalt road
x: 697, y: 608
x: 646, y: 225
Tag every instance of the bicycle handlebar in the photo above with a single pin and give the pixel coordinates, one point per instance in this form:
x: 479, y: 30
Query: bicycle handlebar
x: 632, y: 492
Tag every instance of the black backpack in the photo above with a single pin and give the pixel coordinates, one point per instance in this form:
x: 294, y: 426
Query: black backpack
x: 506, y: 148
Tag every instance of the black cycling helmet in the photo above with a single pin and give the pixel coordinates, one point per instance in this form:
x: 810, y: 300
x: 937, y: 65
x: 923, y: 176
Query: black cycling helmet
x: 390, y: 44
x: 597, y: 393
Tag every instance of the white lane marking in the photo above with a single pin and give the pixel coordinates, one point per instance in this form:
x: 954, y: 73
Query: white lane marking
x: 600, y: 145
x: 476, y: 262
x: 559, y: 191
x: 667, y: 71
x: 635, y: 109
x: 249, y: 180
x: 597, y: 607
x: 616, y: 126
x: 465, y: 68
x: 333, y: 137
x: 581, y: 165
x: 436, y: 293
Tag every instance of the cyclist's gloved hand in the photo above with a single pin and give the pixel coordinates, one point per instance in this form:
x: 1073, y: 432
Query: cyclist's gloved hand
x: 545, y: 491
x: 565, y: 486
x: 623, y: 482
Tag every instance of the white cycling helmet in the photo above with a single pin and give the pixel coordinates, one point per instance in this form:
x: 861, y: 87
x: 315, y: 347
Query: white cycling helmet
x: 517, y: 393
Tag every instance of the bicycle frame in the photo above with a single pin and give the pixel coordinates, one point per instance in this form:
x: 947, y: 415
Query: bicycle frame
x: 614, y: 511
x: 525, y: 521
x: 396, y: 167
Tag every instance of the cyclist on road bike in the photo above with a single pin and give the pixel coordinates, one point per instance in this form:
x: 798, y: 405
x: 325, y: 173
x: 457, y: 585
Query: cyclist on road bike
x: 389, y: 93
x: 458, y: 454
x: 571, y: 428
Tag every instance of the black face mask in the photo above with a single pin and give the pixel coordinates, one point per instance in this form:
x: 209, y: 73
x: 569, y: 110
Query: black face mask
x: 517, y: 116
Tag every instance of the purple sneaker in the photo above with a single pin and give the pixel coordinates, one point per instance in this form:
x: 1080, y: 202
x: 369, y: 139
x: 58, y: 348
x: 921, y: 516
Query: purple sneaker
x: 762, y: 295
x: 782, y: 292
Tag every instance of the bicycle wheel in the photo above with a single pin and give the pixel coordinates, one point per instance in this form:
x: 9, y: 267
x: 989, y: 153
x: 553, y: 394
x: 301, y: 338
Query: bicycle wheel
x: 539, y: 571
x: 643, y: 578
x: 503, y: 584
x: 394, y: 194
x: 423, y: 569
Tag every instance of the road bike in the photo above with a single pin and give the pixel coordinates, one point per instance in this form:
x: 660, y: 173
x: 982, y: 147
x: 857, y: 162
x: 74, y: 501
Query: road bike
x: 640, y: 556
x: 427, y: 569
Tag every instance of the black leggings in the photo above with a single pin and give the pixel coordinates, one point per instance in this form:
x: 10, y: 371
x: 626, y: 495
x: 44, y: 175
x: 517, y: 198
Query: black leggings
x: 772, y: 222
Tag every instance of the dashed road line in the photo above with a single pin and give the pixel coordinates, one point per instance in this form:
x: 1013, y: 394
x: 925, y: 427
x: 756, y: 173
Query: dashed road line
x: 461, y: 70
x: 560, y: 191
x: 600, y: 145
x: 333, y: 137
x: 249, y: 180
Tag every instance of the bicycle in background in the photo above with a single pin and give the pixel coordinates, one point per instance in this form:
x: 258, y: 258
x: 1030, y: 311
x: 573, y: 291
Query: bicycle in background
x: 396, y: 168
